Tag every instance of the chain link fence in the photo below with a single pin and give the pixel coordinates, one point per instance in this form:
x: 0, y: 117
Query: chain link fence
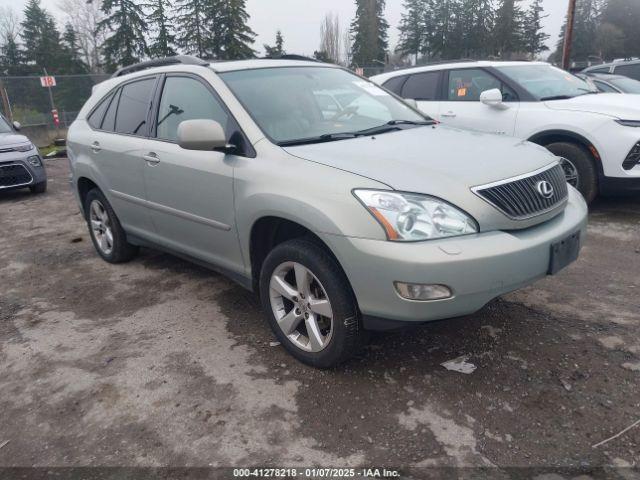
x: 29, y: 103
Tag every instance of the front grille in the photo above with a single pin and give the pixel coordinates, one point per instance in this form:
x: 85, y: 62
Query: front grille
x: 7, y: 150
x: 633, y: 158
x: 14, y: 175
x: 526, y: 196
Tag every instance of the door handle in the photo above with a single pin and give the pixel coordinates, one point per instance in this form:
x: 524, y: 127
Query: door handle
x: 95, y: 147
x: 151, y: 158
x: 449, y: 115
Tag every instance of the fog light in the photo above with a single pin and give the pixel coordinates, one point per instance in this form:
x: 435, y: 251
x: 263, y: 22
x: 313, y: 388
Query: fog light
x: 34, y: 160
x: 422, y: 293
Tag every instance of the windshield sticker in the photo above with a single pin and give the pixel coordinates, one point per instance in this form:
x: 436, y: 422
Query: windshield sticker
x: 370, y: 88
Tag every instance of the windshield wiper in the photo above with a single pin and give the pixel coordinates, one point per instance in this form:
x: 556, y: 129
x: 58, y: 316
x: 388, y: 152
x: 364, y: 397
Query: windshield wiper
x: 327, y: 137
x: 392, y: 125
x: 330, y: 137
x: 556, y: 97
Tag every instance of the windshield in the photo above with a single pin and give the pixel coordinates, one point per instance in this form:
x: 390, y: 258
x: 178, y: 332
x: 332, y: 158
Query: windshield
x: 627, y: 85
x: 545, y: 82
x: 297, y: 103
x: 4, y: 126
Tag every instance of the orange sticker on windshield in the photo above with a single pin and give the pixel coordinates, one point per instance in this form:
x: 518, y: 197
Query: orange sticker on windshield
x: 462, y: 92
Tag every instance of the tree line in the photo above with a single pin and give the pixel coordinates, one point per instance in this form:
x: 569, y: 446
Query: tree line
x: 102, y: 36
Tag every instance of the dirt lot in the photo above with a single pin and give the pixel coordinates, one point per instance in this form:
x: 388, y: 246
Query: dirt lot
x: 159, y: 362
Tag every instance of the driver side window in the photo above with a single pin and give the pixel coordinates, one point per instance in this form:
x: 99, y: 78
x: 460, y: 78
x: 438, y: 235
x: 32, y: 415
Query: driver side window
x: 466, y: 85
x: 184, y: 98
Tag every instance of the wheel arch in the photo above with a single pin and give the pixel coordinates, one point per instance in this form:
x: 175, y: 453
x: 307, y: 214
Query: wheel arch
x: 269, y: 231
x: 548, y: 137
x: 84, y: 185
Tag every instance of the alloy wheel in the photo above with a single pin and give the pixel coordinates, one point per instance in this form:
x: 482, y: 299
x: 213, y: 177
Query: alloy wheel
x: 101, y: 227
x: 301, y: 306
x: 570, y: 172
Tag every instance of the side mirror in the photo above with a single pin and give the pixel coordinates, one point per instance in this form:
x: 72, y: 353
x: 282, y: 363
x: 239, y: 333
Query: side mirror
x: 411, y: 102
x: 17, y: 126
x: 493, y: 98
x: 205, y: 135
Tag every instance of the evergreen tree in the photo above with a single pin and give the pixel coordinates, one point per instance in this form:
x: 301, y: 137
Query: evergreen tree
x: 413, y: 32
x: 12, y: 61
x: 369, y: 31
x: 278, y: 49
x: 534, y: 38
x: 478, y: 32
x: 191, y: 24
x: 164, y: 40
x: 585, y: 29
x: 127, y: 44
x: 625, y: 16
x: 72, y: 57
x: 508, y: 31
x: 41, y: 37
x: 232, y: 37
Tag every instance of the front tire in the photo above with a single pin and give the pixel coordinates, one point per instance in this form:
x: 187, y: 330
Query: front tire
x: 579, y: 168
x: 107, y: 235
x: 309, y: 304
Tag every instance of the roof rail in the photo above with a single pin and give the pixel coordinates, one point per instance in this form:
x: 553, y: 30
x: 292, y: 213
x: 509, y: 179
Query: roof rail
x: 160, y: 62
x: 290, y: 56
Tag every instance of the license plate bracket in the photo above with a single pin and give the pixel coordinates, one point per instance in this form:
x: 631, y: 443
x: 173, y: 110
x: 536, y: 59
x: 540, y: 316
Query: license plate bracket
x: 564, y: 252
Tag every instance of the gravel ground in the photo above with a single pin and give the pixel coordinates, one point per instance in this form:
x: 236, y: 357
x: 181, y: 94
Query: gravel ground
x: 162, y: 363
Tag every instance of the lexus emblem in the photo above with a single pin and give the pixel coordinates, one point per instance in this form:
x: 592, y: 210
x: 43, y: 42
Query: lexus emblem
x: 545, y: 189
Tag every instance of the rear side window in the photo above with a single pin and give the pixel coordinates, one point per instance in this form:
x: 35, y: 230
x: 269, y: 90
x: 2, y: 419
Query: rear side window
x: 95, y: 119
x: 185, y: 98
x: 133, y: 107
x: 422, y: 86
x: 600, y: 70
x: 631, y: 71
x: 395, y: 84
x: 109, y: 122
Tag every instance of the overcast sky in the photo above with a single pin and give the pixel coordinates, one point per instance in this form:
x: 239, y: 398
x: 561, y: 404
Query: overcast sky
x: 300, y: 20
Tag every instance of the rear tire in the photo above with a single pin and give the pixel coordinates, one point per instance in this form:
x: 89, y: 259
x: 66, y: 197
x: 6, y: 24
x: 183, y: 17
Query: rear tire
x: 107, y: 235
x: 580, y: 160
x: 38, y: 188
x: 341, y: 335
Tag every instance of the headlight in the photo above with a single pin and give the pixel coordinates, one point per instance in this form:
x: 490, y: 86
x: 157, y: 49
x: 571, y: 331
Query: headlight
x: 408, y: 217
x: 629, y: 123
x: 26, y: 147
x: 35, y: 161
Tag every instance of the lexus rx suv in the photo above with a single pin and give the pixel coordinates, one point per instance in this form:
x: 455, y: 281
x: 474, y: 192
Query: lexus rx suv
x: 20, y: 162
x: 364, y: 215
x: 597, y: 136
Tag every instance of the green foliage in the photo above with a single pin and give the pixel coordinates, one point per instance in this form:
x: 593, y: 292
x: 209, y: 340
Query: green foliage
x: 232, y: 38
x: 369, y: 32
x: 534, y: 38
x: 163, y: 39
x: 278, y: 49
x: 191, y: 25
x: 127, y: 44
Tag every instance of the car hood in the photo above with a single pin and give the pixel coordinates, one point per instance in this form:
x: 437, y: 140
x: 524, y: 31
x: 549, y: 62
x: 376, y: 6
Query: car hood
x: 10, y: 139
x: 621, y: 106
x: 437, y: 160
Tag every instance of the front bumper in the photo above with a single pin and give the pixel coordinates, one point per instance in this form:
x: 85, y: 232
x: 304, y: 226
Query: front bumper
x: 36, y: 175
x: 477, y: 268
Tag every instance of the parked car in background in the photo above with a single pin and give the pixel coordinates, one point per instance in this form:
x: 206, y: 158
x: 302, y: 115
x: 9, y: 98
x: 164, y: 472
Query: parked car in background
x: 596, y: 135
x: 610, y: 83
x: 21, y: 165
x: 368, y: 217
x: 627, y: 68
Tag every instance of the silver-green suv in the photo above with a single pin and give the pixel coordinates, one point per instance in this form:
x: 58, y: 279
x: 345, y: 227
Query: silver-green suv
x: 344, y: 207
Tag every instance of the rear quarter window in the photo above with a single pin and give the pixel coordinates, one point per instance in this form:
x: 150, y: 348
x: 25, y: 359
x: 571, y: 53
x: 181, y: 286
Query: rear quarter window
x: 95, y: 118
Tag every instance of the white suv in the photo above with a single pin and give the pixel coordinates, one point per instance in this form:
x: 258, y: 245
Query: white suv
x: 598, y: 136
